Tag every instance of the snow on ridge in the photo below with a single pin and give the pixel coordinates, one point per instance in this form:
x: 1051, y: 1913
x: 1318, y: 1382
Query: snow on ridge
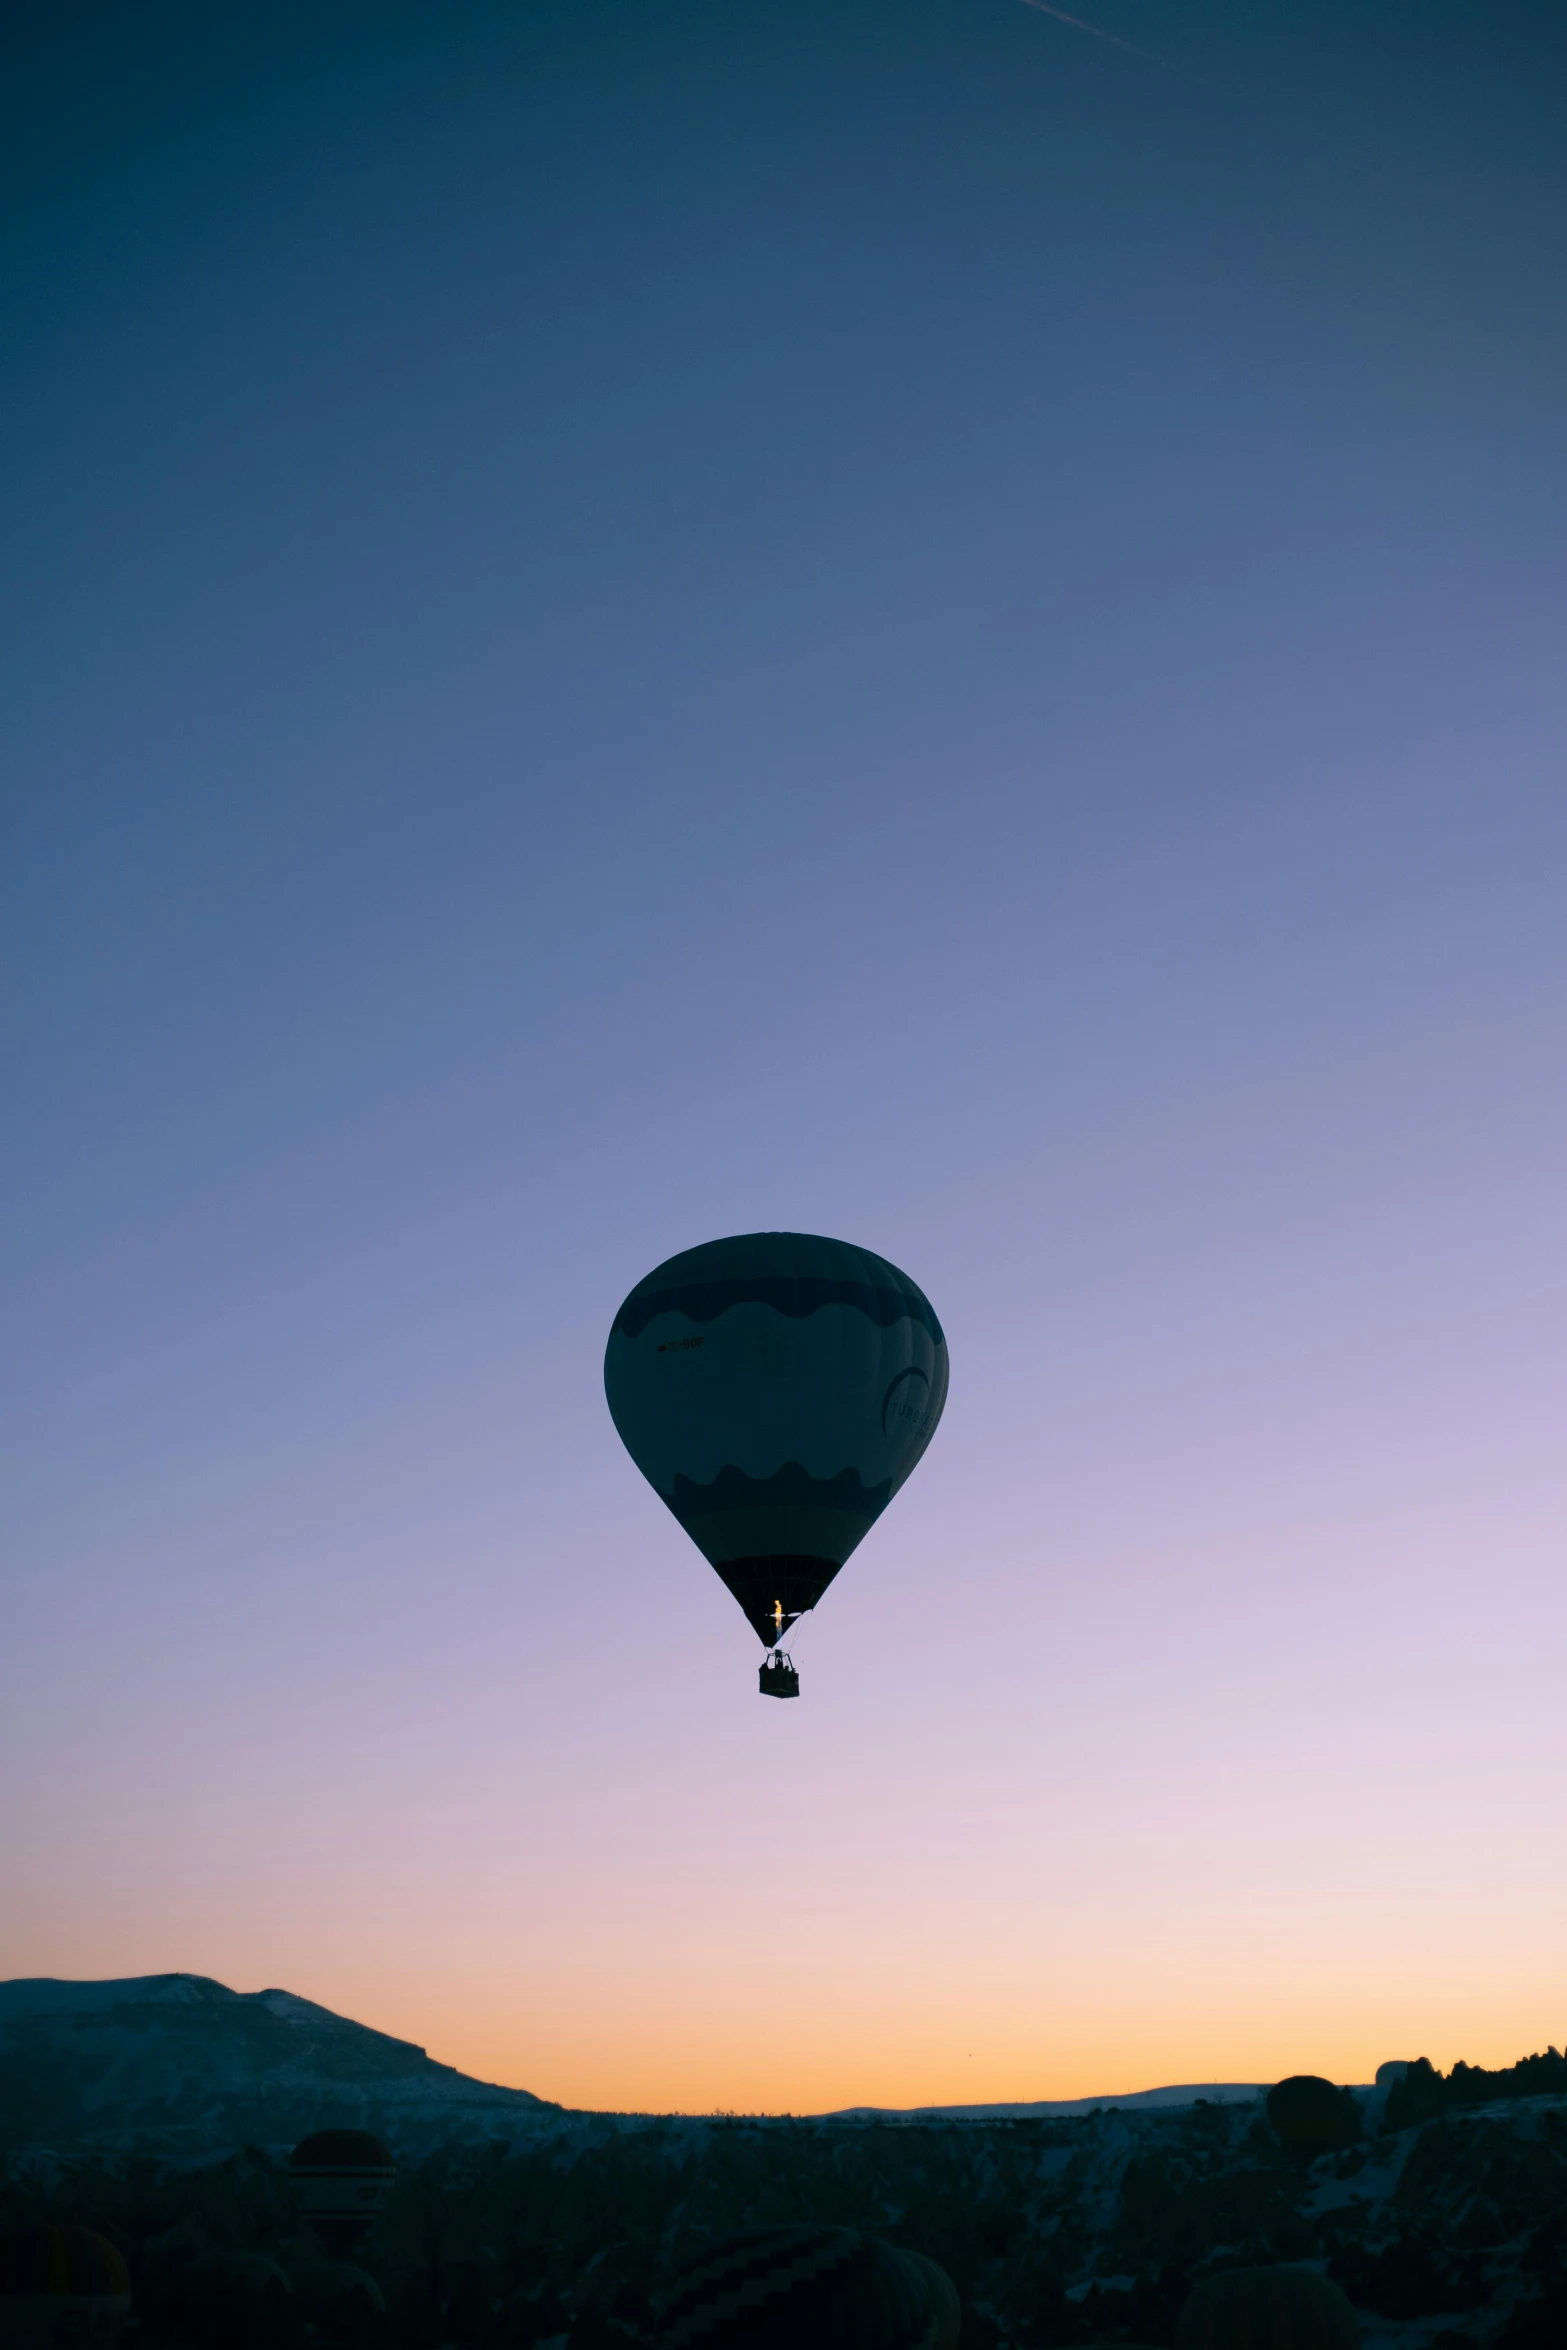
x: 42, y: 1995
x: 1061, y: 2108
x: 187, y: 2061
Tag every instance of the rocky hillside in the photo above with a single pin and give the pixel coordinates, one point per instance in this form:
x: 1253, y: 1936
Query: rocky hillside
x: 1449, y: 2233
x: 178, y: 2064
x: 158, y: 2111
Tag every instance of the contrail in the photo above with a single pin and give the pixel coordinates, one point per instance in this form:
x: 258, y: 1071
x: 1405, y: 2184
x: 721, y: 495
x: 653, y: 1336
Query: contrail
x: 1098, y: 33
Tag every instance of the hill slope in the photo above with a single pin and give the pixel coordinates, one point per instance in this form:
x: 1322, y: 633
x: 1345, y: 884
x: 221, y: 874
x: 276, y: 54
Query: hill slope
x: 1071, y: 2233
x: 181, y: 2063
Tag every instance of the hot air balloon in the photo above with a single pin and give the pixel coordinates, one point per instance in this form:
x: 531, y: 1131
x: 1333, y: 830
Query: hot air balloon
x: 775, y: 1390
x: 1267, y: 2309
x: 343, y: 2178
x: 807, y: 2288
x: 60, y: 2283
x: 942, y: 2295
x: 1311, y: 2116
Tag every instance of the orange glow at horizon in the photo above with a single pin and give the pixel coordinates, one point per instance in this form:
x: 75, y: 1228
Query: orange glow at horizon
x: 684, y: 2058
x: 1062, y: 2004
x: 594, y: 1896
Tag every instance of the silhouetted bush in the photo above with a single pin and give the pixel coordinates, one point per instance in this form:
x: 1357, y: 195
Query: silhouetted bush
x: 1424, y: 2092
x: 1310, y: 2116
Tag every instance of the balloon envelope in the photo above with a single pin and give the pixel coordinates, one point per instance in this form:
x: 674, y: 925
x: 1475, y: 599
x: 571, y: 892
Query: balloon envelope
x: 942, y: 2296
x: 54, y: 2278
x: 342, y: 2178
x: 776, y: 1389
x: 1267, y: 2309
x: 1311, y: 2115
x: 800, y: 2288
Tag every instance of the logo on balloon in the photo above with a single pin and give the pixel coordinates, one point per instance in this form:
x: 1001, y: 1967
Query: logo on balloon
x: 905, y: 1410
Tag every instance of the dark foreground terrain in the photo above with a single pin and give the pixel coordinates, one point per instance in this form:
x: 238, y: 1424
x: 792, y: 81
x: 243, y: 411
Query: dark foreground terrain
x: 1445, y: 2220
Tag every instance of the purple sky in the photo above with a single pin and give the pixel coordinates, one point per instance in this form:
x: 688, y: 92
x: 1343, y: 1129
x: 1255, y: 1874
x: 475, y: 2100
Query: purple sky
x: 882, y: 619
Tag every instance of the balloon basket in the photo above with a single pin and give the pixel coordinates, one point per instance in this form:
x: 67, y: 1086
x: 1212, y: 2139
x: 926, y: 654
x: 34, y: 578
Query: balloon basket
x: 778, y: 1677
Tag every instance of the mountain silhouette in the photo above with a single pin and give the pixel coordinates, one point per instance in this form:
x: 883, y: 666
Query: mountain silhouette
x: 180, y: 2063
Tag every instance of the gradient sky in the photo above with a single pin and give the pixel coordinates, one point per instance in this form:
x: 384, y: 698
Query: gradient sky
x: 632, y: 621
